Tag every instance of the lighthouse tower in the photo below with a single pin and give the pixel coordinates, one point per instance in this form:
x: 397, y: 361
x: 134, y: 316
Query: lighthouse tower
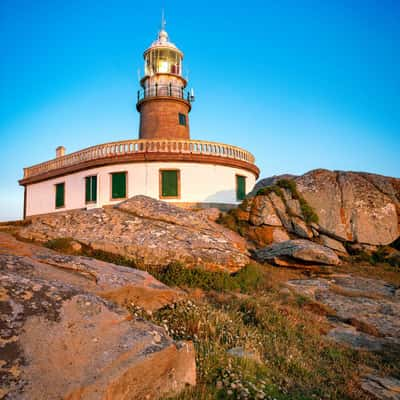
x: 163, y: 102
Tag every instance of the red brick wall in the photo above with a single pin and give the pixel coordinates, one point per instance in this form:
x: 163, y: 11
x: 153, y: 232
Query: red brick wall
x: 159, y: 119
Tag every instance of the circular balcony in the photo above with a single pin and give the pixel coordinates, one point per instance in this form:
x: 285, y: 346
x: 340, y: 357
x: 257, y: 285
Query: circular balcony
x: 142, y: 151
x: 158, y: 90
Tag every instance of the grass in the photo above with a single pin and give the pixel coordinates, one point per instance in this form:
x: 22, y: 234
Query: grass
x: 246, y: 280
x: 296, y: 361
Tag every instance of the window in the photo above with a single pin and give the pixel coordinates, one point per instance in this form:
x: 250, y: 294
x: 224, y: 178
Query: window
x: 60, y: 195
x: 169, y: 183
x: 182, y: 119
x: 118, y: 185
x: 240, y: 187
x: 91, y: 189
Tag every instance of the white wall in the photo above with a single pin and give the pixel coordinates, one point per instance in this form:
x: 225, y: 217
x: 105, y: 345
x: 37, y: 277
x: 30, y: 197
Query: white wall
x: 200, y: 183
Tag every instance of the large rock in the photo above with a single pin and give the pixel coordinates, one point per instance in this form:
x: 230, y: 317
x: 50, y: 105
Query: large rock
x: 356, y: 207
x: 122, y: 285
x: 265, y: 235
x: 333, y: 244
x: 152, y: 233
x: 295, y: 252
x: 60, y: 338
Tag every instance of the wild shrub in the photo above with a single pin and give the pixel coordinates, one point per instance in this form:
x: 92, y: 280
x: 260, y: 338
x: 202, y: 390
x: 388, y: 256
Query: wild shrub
x: 246, y: 280
x: 61, y: 244
x: 270, y: 189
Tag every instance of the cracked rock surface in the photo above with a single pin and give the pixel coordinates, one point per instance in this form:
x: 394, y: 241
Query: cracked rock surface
x: 64, y: 335
x: 150, y: 232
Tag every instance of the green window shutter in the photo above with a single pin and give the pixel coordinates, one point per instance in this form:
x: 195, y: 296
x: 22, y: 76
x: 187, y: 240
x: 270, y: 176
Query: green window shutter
x: 169, y: 184
x: 182, y: 119
x: 60, y: 192
x: 94, y: 188
x: 91, y: 189
x: 118, y: 185
x: 240, y: 187
x: 88, y: 189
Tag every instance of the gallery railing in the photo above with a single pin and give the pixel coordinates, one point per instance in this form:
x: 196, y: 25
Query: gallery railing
x: 165, y: 90
x: 127, y: 147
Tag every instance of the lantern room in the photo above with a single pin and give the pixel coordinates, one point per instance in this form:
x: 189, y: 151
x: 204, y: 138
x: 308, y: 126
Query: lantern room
x: 163, y: 57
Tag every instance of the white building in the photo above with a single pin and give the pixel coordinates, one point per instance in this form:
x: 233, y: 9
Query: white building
x: 163, y: 163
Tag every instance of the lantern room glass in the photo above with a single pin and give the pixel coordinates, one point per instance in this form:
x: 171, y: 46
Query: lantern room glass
x: 163, y: 61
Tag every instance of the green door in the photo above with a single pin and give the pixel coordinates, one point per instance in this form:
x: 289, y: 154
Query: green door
x: 169, y: 183
x: 60, y: 195
x: 240, y: 187
x: 118, y: 189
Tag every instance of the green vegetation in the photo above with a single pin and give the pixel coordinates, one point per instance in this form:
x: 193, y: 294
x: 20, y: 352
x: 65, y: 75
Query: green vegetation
x: 60, y: 244
x: 383, y: 256
x: 270, y: 189
x: 246, y: 280
x: 308, y: 213
x: 282, y: 333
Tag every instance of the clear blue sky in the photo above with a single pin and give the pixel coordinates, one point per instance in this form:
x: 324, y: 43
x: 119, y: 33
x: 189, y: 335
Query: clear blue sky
x: 301, y: 84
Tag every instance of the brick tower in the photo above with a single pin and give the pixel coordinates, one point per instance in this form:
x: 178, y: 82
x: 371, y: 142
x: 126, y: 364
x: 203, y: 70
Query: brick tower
x: 163, y: 102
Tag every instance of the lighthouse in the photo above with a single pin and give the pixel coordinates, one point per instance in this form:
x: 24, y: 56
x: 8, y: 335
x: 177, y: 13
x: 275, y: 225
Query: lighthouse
x: 164, y: 162
x: 163, y: 102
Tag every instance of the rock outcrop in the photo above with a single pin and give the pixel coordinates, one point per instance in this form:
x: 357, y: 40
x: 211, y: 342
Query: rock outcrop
x: 63, y: 336
x: 363, y: 314
x: 151, y: 233
x: 380, y: 388
x: 355, y: 207
x: 298, y: 252
x: 328, y: 207
x: 365, y: 310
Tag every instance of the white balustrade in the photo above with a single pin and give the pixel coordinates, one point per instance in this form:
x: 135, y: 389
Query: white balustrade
x: 126, y: 147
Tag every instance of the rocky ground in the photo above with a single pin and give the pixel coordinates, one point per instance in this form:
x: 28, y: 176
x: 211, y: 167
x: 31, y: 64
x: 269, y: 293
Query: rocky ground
x: 64, y: 333
x: 266, y: 333
x: 365, y: 316
x: 149, y: 232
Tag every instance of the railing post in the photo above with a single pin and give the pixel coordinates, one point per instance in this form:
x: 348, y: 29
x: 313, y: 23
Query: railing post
x: 138, y: 95
x: 170, y: 89
x: 156, y: 85
x: 183, y: 94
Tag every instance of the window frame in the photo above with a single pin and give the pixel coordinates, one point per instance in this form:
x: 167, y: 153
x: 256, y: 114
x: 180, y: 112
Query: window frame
x: 126, y: 185
x: 237, y: 176
x: 97, y: 188
x: 55, y: 195
x: 178, y: 176
x: 184, y: 118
